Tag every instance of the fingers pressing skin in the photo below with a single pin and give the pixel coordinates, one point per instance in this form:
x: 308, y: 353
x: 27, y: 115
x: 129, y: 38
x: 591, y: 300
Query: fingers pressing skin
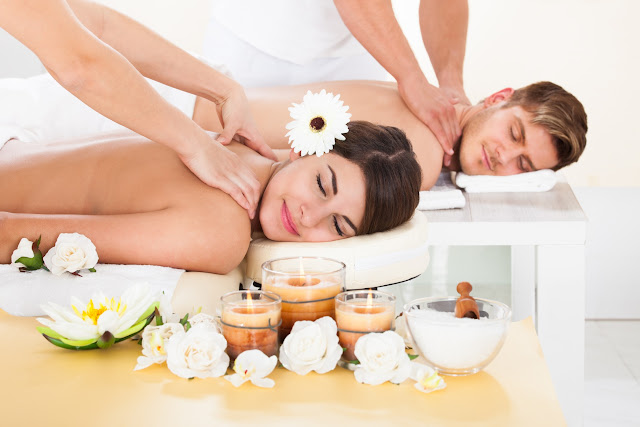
x: 238, y: 122
x: 218, y: 167
x: 433, y: 107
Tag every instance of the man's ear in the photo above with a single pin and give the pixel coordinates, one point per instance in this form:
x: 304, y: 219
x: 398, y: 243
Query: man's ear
x: 498, y: 97
x: 293, y: 155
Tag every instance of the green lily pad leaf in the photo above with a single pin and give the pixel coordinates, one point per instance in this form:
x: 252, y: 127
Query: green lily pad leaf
x: 48, y: 331
x: 134, y: 329
x: 59, y: 343
x: 77, y: 343
x: 148, y: 312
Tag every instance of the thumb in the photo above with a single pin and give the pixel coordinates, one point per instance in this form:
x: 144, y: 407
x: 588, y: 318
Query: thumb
x: 226, y: 135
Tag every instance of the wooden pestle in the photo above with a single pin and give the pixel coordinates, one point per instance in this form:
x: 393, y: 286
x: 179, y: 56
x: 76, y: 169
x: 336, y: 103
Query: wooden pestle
x: 466, y: 306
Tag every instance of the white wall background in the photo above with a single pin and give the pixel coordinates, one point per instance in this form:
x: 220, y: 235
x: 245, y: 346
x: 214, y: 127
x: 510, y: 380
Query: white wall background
x: 590, y: 47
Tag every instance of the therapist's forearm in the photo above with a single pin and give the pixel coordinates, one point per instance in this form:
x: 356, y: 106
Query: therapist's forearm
x: 444, y: 32
x: 154, y: 56
x: 373, y: 23
x: 96, y: 73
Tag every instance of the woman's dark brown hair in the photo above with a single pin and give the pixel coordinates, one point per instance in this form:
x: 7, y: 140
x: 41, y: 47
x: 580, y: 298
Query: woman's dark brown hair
x: 391, y: 172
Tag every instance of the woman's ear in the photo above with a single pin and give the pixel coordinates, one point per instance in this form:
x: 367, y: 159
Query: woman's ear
x: 293, y: 155
x: 498, y: 97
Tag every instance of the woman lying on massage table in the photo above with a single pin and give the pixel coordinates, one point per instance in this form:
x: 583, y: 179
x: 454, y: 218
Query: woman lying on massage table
x: 139, y: 204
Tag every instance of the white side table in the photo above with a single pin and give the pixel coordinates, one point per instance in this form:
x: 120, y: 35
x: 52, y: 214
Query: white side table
x: 547, y: 233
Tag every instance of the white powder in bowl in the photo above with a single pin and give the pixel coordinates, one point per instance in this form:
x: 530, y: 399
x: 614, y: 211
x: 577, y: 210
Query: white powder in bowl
x: 452, y: 343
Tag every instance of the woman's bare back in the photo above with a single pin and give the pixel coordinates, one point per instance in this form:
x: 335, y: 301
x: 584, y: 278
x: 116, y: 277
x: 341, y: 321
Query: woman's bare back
x: 122, y: 192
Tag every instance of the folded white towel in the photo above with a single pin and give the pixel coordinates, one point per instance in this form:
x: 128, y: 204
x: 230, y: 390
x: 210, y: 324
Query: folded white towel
x: 443, y: 195
x: 21, y: 294
x: 542, y: 180
x: 434, y: 200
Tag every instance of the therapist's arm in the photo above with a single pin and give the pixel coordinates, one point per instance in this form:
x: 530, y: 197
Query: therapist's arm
x: 103, y: 79
x: 444, y: 32
x: 374, y: 24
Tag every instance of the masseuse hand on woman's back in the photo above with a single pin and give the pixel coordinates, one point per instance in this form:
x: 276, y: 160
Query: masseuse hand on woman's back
x: 101, y: 56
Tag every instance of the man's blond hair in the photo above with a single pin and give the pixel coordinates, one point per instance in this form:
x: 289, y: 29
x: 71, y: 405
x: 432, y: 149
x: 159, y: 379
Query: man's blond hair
x: 560, y: 113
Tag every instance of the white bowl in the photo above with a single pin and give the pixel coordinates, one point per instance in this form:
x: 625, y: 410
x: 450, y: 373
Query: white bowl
x: 454, y: 346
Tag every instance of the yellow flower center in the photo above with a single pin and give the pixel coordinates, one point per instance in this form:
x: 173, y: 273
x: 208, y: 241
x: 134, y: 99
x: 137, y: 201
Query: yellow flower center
x: 92, y: 313
x: 317, y: 124
x: 244, y: 373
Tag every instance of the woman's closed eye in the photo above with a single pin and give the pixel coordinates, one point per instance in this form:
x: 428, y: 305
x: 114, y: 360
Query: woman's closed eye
x: 319, y: 181
x: 337, y: 227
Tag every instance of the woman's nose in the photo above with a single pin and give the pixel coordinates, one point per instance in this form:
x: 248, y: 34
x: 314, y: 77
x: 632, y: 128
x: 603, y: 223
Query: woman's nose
x: 310, y: 215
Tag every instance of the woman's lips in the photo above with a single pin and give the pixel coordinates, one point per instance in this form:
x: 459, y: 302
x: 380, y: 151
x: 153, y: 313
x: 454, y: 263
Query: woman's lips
x: 287, y: 221
x: 485, y: 159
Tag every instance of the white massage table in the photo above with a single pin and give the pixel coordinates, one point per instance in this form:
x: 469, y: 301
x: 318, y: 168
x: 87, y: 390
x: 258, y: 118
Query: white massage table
x: 546, y: 232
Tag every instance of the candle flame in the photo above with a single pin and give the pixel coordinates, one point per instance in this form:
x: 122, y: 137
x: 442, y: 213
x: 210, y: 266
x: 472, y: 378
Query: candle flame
x: 301, y: 269
x: 370, y: 299
x: 249, y: 302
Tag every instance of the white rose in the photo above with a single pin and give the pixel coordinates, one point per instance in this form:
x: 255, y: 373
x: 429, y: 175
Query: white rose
x: 204, y: 319
x: 382, y: 358
x: 311, y: 346
x: 71, y: 253
x: 25, y: 249
x: 197, y: 353
x: 154, y: 340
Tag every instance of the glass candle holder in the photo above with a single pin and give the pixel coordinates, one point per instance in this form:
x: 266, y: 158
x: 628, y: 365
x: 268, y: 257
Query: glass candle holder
x: 307, y: 286
x: 250, y: 320
x: 361, y: 312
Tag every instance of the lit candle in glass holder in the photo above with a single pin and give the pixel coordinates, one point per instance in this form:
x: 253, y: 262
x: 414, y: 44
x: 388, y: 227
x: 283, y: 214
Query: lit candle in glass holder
x: 361, y: 312
x: 307, y: 286
x: 250, y: 320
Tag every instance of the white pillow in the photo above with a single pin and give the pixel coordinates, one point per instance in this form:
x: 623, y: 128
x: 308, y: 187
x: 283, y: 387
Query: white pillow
x: 372, y: 260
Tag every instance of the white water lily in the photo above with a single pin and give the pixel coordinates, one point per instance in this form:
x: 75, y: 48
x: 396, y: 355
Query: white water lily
x: 198, y: 352
x: 318, y: 121
x: 24, y: 249
x: 73, y: 252
x: 427, y: 379
x: 311, y: 346
x: 382, y: 358
x: 85, y: 323
x: 154, y: 340
x: 254, y: 366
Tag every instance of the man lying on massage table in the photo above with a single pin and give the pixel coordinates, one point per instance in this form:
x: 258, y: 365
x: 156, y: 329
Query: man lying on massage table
x: 540, y: 126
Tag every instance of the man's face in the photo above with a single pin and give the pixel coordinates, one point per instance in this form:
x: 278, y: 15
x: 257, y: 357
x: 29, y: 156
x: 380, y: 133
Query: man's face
x: 504, y: 141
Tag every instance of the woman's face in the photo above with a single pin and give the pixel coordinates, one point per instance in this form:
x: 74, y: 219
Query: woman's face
x: 313, y: 199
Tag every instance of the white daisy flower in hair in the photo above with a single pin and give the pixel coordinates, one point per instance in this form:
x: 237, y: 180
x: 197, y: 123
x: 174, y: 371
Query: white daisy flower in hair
x: 318, y: 121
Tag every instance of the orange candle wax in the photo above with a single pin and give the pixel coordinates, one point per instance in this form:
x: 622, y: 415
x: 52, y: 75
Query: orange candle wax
x: 359, y: 317
x: 297, y: 291
x: 250, y: 327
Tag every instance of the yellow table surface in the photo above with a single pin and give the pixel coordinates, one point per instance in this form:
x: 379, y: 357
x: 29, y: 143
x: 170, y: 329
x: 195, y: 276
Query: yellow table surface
x: 49, y: 386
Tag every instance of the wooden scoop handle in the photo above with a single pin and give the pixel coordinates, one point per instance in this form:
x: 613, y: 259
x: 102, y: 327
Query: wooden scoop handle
x: 466, y: 306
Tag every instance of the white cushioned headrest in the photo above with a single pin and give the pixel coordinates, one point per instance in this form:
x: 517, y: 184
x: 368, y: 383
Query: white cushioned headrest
x: 372, y: 260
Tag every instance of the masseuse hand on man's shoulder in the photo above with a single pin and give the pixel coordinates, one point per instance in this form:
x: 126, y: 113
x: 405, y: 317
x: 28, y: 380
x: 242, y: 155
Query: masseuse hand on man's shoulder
x: 434, y: 107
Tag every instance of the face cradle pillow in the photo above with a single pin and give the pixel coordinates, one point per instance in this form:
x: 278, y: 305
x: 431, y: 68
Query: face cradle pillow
x: 372, y: 260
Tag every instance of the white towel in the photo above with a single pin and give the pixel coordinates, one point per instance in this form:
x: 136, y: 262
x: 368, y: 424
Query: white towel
x: 542, y: 180
x: 21, y: 294
x: 443, y: 195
